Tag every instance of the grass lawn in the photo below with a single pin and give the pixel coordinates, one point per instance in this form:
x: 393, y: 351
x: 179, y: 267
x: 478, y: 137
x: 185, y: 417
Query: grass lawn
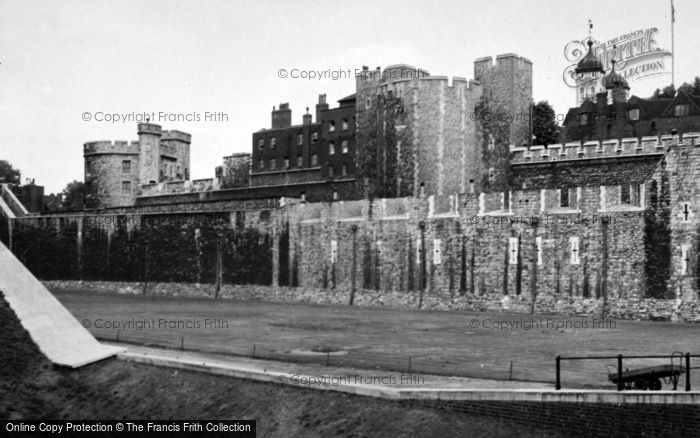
x: 31, y: 388
x: 438, y: 342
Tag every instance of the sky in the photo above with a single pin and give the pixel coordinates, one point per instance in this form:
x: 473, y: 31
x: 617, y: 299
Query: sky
x: 61, y: 60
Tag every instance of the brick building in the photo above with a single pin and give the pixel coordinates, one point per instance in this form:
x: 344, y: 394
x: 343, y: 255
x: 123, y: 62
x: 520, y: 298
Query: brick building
x: 610, y: 113
x: 315, y: 151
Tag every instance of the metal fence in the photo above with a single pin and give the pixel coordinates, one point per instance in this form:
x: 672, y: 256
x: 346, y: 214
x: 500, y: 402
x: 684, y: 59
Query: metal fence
x: 647, y: 377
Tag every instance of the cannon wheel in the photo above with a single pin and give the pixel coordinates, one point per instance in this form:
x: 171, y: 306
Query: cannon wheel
x: 654, y: 385
x: 640, y: 384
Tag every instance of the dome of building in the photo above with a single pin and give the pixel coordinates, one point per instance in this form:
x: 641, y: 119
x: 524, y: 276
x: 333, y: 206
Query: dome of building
x: 614, y: 80
x: 590, y: 63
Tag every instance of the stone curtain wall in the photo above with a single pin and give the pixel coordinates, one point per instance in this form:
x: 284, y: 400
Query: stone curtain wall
x: 398, y: 253
x: 234, y: 248
x: 436, y: 252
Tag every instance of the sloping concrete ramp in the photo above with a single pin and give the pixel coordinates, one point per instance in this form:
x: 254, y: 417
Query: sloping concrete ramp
x: 52, y: 327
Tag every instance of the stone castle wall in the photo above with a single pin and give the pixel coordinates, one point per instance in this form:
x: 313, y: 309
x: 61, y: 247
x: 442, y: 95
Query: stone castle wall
x: 451, y: 250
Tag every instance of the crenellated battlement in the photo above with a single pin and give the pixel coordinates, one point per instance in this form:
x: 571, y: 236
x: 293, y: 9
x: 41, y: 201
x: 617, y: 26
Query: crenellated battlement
x: 149, y: 128
x: 177, y: 136
x: 601, y: 149
x: 506, y: 59
x: 455, y: 86
x: 111, y: 147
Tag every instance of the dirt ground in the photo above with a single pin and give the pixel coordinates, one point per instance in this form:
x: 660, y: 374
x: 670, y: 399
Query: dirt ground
x: 31, y: 388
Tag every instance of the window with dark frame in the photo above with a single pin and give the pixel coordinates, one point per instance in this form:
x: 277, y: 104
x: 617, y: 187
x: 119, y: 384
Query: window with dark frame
x: 625, y: 194
x: 564, y: 198
x: 126, y: 187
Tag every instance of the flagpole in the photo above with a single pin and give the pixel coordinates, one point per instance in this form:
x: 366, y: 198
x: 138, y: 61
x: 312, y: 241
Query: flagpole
x: 673, y: 51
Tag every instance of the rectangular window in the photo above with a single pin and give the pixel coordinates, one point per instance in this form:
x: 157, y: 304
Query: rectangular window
x: 505, y: 201
x: 635, y: 195
x: 272, y: 164
x: 314, y: 159
x: 344, y: 146
x: 300, y: 160
x: 685, y: 258
x: 261, y: 143
x: 625, y: 194
x: 437, y: 251
x: 344, y: 125
x: 575, y: 255
x: 273, y: 142
x: 564, y: 198
x: 300, y: 140
x: 314, y: 137
x: 126, y: 167
x: 286, y: 162
x: 538, y: 248
x: 492, y: 175
x: 682, y: 110
x: 585, y: 119
x: 126, y: 187
x: 331, y: 126
x: 419, y: 251
x: 633, y: 114
x: 344, y: 170
x: 368, y: 103
x: 261, y: 164
x: 334, y: 251
x: 512, y: 250
x: 331, y: 148
x: 330, y: 170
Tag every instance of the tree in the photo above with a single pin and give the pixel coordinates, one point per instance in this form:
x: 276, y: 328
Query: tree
x: 9, y: 174
x: 669, y: 92
x: 696, y: 85
x: 73, y: 196
x: 657, y: 94
x: 686, y: 88
x: 544, y: 125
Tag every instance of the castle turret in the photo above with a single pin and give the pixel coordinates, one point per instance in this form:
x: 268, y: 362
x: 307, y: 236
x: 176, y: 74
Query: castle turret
x: 589, y: 73
x: 176, y: 146
x: 149, y: 152
x: 507, y: 86
x: 617, y: 85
